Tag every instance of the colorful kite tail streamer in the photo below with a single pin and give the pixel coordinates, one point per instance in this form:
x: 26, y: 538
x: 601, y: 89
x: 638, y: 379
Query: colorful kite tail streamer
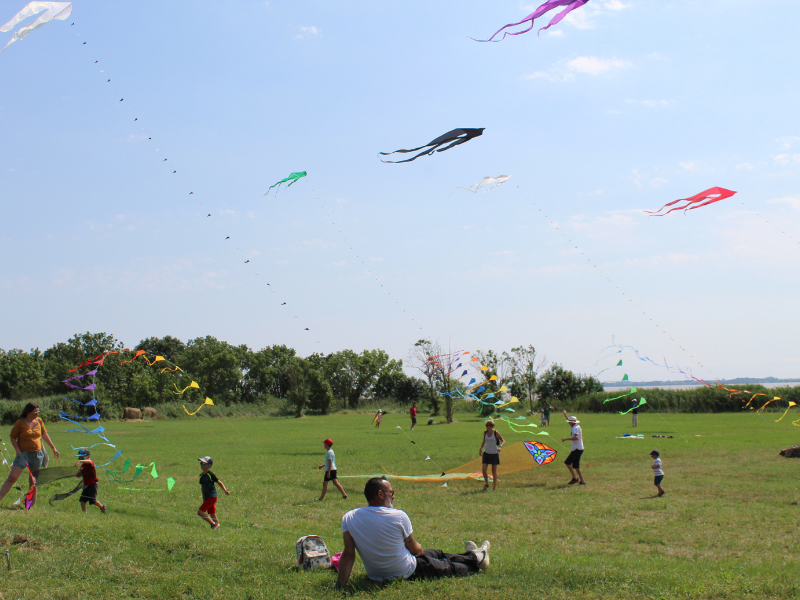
x: 791, y: 404
x: 208, y: 402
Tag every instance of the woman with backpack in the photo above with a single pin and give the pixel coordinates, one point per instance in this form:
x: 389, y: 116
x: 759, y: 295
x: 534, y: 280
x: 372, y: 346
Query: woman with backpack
x: 490, y: 451
x: 26, y: 437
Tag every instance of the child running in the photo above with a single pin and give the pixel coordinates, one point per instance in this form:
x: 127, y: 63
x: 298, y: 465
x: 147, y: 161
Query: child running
x: 657, y: 471
x: 87, y: 470
x: 330, y: 470
x: 208, y: 509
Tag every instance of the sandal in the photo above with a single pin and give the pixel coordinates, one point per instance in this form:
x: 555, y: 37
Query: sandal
x: 485, y: 487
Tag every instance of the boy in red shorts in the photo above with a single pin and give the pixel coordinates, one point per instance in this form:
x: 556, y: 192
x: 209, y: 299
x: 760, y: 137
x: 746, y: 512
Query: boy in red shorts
x: 87, y: 470
x: 208, y: 509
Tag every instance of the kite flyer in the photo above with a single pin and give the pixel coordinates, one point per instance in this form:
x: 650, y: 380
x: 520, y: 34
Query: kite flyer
x: 90, y: 481
x: 330, y: 470
x: 413, y: 412
x: 378, y: 418
x: 208, y: 509
x: 573, y: 461
x: 490, y: 449
x: 658, y: 472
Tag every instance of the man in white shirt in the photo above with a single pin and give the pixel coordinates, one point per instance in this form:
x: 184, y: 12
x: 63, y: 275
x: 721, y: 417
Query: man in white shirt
x: 573, y: 461
x: 385, y: 541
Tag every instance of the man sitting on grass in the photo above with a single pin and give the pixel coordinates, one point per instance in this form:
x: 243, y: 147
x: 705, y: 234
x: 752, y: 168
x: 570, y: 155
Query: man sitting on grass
x: 385, y: 541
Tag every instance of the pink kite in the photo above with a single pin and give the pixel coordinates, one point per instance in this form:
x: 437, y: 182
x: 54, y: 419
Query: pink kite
x: 544, y: 8
x: 711, y: 195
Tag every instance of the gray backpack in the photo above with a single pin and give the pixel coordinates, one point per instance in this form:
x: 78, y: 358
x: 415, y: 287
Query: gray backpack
x: 312, y: 553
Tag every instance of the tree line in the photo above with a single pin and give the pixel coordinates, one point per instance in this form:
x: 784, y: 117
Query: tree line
x: 238, y: 374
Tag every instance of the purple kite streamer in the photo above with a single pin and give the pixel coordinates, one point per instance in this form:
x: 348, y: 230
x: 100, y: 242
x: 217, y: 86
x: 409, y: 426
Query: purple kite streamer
x: 544, y: 8
x: 88, y: 388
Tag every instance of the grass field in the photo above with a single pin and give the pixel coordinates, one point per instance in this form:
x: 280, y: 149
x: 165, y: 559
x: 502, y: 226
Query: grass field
x: 729, y: 525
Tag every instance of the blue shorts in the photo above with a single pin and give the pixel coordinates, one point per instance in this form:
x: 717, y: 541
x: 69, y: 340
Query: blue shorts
x: 29, y: 459
x: 658, y: 479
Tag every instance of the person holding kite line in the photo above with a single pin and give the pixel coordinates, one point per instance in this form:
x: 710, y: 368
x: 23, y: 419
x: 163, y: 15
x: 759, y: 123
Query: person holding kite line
x: 635, y: 413
x: 490, y: 450
x: 26, y: 437
x: 413, y: 412
x: 378, y: 418
x: 573, y: 461
x: 385, y: 541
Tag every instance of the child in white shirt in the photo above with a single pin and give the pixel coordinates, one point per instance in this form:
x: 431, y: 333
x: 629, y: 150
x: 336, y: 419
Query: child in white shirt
x: 657, y: 471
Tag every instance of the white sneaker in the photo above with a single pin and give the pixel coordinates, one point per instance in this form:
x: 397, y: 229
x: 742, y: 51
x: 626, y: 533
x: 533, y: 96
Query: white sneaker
x: 216, y: 526
x: 471, y: 546
x: 483, y: 555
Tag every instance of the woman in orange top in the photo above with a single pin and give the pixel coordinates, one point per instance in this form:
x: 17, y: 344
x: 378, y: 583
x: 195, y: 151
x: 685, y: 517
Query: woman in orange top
x: 26, y: 437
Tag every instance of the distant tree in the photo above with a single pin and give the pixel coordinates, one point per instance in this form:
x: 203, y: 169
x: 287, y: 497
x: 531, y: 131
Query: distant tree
x: 420, y: 357
x: 500, y: 365
x: 22, y: 374
x: 298, y: 372
x: 217, y: 367
x: 320, y: 394
x: 266, y: 373
x: 526, y: 364
x: 558, y: 383
x: 169, y: 347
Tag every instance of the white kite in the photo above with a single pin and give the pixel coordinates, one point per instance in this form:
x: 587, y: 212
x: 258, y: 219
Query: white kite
x: 52, y: 10
x: 486, y: 181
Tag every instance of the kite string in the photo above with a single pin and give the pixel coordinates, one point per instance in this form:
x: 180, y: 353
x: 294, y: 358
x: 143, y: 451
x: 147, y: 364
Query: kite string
x: 421, y: 449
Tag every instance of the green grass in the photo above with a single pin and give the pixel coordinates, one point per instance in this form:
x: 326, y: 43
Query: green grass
x: 728, y: 526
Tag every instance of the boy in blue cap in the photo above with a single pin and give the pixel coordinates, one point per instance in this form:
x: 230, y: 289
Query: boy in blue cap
x: 208, y: 509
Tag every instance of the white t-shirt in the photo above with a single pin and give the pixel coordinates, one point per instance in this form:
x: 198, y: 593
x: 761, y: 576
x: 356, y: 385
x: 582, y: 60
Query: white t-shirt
x: 576, y: 444
x: 379, y: 533
x: 658, y: 470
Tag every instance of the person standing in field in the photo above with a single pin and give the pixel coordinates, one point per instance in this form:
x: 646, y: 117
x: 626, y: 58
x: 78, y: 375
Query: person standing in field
x: 208, y: 509
x: 413, y: 412
x: 542, y: 418
x: 490, y: 451
x: 658, y: 472
x: 573, y: 461
x: 547, y: 409
x: 87, y: 470
x: 378, y: 418
x: 330, y: 470
x: 635, y: 413
x: 26, y: 437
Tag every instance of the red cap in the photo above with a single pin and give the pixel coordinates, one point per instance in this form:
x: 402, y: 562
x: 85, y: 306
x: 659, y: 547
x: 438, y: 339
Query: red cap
x: 329, y: 441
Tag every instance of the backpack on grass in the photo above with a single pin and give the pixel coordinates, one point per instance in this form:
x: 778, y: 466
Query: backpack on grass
x: 312, y: 553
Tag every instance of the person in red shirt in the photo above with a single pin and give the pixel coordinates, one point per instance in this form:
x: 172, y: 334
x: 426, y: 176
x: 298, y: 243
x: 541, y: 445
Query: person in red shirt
x: 87, y: 470
x: 413, y: 412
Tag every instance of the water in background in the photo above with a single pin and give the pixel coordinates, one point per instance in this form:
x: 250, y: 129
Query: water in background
x: 691, y: 386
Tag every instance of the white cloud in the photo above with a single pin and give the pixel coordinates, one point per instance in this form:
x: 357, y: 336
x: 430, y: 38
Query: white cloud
x: 790, y: 200
x: 615, y: 5
x: 592, y: 65
x: 340, y: 263
x: 674, y: 258
x: 658, y: 181
x: 306, y: 31
x: 690, y: 165
x: 785, y: 159
x: 744, y: 165
x: 587, y: 65
x: 787, y: 141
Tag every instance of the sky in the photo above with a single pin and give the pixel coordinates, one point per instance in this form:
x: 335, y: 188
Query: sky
x: 622, y: 107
